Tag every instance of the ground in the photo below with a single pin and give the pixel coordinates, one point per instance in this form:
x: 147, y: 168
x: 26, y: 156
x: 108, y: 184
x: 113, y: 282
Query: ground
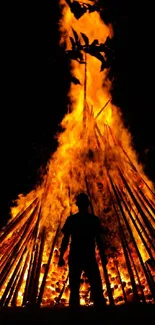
x: 118, y: 315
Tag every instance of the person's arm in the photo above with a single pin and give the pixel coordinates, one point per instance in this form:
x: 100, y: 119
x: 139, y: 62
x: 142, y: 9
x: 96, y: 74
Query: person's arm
x: 63, y: 248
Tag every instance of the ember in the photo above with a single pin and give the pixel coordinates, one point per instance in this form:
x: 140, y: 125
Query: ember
x: 94, y: 155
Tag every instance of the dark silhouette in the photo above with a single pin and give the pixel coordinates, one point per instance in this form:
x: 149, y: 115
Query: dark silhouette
x: 84, y: 230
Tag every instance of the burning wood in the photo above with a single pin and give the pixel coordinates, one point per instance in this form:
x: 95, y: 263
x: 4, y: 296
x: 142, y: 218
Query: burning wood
x: 94, y: 156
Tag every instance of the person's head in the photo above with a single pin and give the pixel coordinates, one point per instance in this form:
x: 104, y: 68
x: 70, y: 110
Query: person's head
x: 82, y: 201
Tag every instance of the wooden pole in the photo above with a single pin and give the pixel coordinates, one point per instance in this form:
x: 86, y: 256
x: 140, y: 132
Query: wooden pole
x: 7, y: 300
x: 124, y: 242
x: 135, y: 225
x: 38, y: 268
x: 85, y: 92
x: 8, y: 287
x: 99, y: 113
x: 143, y: 204
x: 146, y: 199
x: 135, y: 244
x: 23, y: 239
x: 26, y: 291
x: 42, y: 287
x: 137, y: 275
x: 120, y: 280
x: 62, y: 291
x: 13, y: 259
x: 145, y: 219
x: 14, y: 297
x: 14, y: 222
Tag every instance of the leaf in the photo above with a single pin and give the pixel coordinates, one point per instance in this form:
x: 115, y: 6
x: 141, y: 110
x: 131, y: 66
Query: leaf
x: 72, y: 41
x: 76, y: 36
x: 85, y: 38
x: 75, y: 80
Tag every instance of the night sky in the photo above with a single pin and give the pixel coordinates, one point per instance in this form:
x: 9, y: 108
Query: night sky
x: 34, y: 85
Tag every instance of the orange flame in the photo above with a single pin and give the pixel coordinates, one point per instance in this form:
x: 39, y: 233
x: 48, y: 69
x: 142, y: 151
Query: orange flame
x: 83, y: 152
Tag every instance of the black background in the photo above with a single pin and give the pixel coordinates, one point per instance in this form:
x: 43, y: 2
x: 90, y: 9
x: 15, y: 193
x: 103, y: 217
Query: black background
x: 34, y: 85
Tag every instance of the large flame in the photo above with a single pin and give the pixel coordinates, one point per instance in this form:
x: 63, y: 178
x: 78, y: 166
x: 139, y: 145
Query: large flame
x: 84, y: 149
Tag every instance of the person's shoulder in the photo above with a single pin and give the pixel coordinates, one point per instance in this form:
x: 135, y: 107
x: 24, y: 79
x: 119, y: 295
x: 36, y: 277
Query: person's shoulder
x: 72, y: 216
x: 94, y: 217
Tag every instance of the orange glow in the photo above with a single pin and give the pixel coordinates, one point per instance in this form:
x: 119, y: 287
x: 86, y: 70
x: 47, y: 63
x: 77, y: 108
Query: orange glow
x: 92, y: 151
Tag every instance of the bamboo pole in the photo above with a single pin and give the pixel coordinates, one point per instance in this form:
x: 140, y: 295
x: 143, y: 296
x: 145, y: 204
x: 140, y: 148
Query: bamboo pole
x: 17, y: 251
x: 8, y: 298
x: 144, y: 206
x: 123, y: 241
x: 16, y: 242
x: 38, y: 268
x: 137, y: 250
x: 137, y: 275
x: 97, y: 140
x: 85, y: 92
x: 149, y: 239
x: 134, y: 223
x: 31, y: 287
x: 26, y: 291
x: 111, y: 299
x: 145, y: 219
x: 22, y: 240
x: 6, y: 291
x: 89, y: 195
x: 62, y: 291
x: 146, y: 199
x: 11, y: 247
x: 120, y: 280
x: 34, y: 261
x: 20, y: 281
x: 99, y: 113
x: 152, y: 282
x: 131, y: 163
x: 42, y: 287
x: 14, y: 222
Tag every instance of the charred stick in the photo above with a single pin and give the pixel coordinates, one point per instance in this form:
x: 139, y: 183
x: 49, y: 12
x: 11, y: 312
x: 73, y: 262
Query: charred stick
x: 145, y: 219
x: 138, y: 253
x: 62, y: 291
x: 14, y: 223
x: 26, y: 291
x: 144, y: 205
x: 138, y: 278
x: 149, y: 239
x: 124, y: 242
x: 7, y: 300
x: 14, y: 298
x: 147, y: 200
x: 42, y: 287
x: 151, y: 280
x: 111, y: 299
x: 35, y: 258
x: 12, y: 279
x: 99, y: 113
x: 26, y: 233
x: 134, y: 223
x: 88, y: 192
x: 11, y: 249
x: 120, y: 280
x: 37, y: 275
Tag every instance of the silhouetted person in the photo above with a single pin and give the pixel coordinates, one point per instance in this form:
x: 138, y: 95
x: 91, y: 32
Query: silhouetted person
x: 84, y: 230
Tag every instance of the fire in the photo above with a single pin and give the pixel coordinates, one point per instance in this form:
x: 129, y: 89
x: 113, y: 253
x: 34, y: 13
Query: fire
x: 95, y: 155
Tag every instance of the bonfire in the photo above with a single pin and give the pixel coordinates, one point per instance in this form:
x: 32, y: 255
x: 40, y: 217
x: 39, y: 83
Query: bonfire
x: 95, y: 155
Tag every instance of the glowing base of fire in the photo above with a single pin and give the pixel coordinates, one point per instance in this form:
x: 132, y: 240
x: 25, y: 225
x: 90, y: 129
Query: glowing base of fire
x: 56, y: 283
